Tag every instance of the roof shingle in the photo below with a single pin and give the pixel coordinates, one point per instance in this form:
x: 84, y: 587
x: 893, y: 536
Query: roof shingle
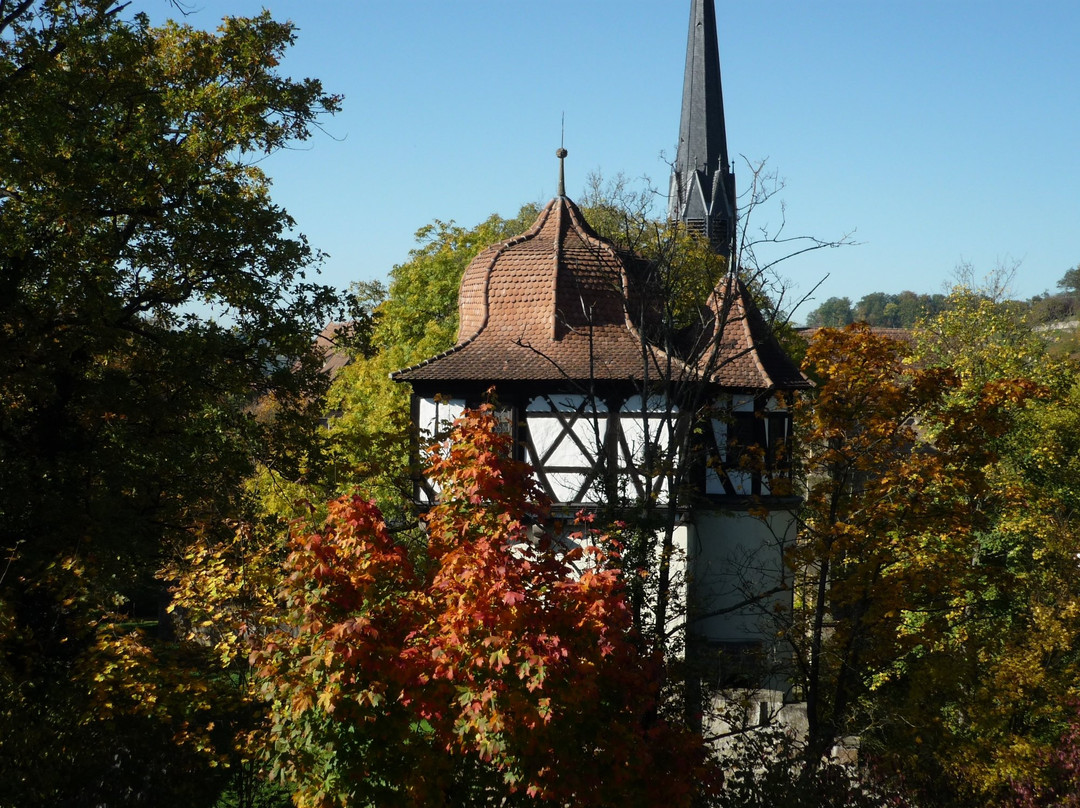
x: 549, y: 304
x: 554, y: 302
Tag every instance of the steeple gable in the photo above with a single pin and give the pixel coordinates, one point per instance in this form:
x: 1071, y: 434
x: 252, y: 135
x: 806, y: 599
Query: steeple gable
x: 702, y: 194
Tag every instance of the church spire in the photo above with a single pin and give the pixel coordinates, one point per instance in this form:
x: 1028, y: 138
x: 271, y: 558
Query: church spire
x: 702, y: 192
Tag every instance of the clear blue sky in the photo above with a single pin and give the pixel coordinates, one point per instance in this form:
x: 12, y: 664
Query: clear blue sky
x: 939, y: 131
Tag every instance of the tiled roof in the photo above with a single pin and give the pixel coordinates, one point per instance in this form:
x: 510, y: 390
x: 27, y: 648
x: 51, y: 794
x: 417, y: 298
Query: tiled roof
x: 552, y: 304
x: 747, y: 354
x: 892, y: 332
x: 334, y: 358
x: 549, y: 304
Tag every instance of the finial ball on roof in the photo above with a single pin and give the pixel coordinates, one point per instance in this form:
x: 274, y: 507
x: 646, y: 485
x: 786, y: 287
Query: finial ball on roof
x: 561, y: 153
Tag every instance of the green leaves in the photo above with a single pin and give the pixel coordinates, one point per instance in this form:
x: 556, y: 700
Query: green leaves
x: 152, y: 303
x: 420, y: 314
x: 896, y: 482
x: 937, y: 560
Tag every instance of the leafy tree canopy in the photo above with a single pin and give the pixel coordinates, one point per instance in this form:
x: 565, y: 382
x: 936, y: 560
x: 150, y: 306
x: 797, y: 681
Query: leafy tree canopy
x: 1070, y: 282
x: 881, y: 309
x: 833, y: 313
x: 500, y: 670
x: 908, y: 626
x: 150, y: 293
x: 937, y: 605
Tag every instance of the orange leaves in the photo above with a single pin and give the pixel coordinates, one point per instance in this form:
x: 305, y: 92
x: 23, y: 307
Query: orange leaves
x: 492, y: 651
x: 510, y: 598
x: 344, y: 591
x: 890, y: 468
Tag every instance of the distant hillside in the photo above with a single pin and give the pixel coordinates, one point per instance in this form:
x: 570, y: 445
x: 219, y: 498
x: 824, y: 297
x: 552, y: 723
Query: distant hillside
x: 879, y: 309
x: 903, y: 310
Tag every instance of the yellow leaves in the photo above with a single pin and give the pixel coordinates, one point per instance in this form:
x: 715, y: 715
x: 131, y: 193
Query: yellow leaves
x: 300, y: 702
x: 327, y: 700
x: 499, y: 659
x: 900, y: 488
x: 225, y: 590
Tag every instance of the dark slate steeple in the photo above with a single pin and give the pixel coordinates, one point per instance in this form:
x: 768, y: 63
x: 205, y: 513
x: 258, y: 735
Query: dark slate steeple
x: 702, y: 192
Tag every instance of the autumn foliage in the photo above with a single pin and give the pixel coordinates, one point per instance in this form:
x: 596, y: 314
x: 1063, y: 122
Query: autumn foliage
x: 936, y: 609
x: 496, y: 660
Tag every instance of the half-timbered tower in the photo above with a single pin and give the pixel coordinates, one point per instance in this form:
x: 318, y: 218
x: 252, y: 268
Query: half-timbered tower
x: 559, y: 322
x: 744, y: 517
x: 546, y: 319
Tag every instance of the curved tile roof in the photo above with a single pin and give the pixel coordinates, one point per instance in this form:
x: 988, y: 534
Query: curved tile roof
x: 554, y: 303
x: 548, y: 304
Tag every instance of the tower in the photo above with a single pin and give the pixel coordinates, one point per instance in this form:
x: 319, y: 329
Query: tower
x: 547, y: 319
x: 739, y: 528
x: 559, y: 322
x: 702, y: 193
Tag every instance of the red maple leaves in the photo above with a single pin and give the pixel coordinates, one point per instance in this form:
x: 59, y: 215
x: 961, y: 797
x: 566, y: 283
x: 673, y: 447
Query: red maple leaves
x: 498, y: 649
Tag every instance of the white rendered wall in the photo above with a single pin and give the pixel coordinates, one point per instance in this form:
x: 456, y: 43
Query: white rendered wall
x: 435, y: 417
x: 567, y: 433
x: 733, y: 558
x: 645, y: 437
x: 679, y: 577
x: 742, y: 480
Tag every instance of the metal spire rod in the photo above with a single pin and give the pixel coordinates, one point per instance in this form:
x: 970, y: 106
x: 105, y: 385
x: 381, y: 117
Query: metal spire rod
x: 561, y: 154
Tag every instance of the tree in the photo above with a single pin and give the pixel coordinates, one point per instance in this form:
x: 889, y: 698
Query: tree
x: 1070, y: 281
x: 682, y: 275
x: 994, y: 693
x: 689, y: 304
x: 150, y: 294
x: 833, y: 313
x: 494, y: 665
x: 369, y: 430
x: 895, y: 480
x: 765, y: 764
x: 876, y: 308
x: 1060, y: 307
x: 366, y: 443
x: 913, y: 307
x: 937, y: 604
x: 880, y: 309
x: 984, y: 340
x: 1060, y: 769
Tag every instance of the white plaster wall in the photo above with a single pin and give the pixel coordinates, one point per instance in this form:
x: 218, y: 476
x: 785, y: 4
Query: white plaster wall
x: 435, y: 419
x: 436, y: 416
x: 714, y: 483
x: 575, y: 440
x: 644, y: 425
x: 742, y: 403
x: 733, y: 557
x: 742, y: 482
x: 677, y: 581
x: 679, y: 577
